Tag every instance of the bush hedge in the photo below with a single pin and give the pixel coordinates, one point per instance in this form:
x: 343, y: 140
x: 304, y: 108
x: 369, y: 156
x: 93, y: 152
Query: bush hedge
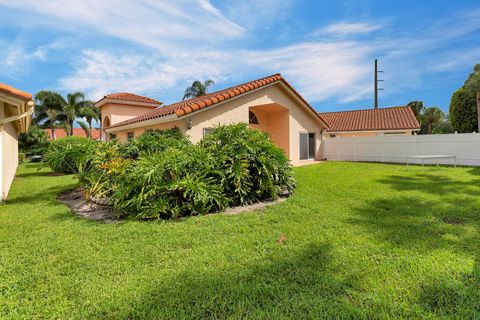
x: 69, y: 154
x: 161, y: 175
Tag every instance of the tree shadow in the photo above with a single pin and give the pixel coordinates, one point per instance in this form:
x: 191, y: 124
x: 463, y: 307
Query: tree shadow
x: 287, y: 284
x: 441, y: 213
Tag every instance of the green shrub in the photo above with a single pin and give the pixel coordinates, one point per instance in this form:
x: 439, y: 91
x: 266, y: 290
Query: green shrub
x: 34, y: 142
x: 463, y: 111
x: 154, y: 141
x: 161, y: 175
x: 252, y: 167
x: 69, y: 154
x: 174, y: 183
x: 21, y: 157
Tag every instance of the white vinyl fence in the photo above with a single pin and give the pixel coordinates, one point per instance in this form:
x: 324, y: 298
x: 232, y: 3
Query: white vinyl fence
x: 465, y: 146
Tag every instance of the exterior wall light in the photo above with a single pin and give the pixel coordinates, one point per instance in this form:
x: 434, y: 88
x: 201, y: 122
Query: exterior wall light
x: 189, y: 124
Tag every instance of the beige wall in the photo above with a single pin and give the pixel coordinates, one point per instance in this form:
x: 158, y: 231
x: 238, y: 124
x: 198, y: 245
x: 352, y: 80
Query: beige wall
x: 9, y: 147
x: 120, y: 112
x: 284, y: 127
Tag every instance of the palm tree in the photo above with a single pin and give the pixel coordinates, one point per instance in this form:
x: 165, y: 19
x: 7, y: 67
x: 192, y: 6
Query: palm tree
x: 417, y: 107
x: 75, y: 102
x: 90, y: 113
x: 48, y: 109
x: 431, y: 117
x: 198, y: 89
x: 472, y: 84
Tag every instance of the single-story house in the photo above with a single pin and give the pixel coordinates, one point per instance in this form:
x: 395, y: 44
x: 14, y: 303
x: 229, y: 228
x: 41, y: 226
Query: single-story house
x: 77, y: 132
x: 16, y: 108
x: 371, y: 122
x: 270, y: 104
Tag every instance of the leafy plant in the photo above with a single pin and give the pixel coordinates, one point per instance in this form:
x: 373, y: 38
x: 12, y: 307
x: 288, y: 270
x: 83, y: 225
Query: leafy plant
x: 463, y: 111
x: 34, y: 141
x: 252, y: 167
x: 69, y: 154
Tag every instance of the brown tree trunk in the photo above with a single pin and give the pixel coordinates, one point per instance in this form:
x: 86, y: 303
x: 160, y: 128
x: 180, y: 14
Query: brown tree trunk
x: 53, y: 133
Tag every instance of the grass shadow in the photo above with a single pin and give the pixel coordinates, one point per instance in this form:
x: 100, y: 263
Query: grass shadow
x: 430, y: 212
x: 288, y: 284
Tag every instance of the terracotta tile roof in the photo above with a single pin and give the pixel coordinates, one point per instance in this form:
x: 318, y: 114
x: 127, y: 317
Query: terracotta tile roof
x: 78, y: 132
x: 5, y: 88
x: 392, y: 118
x: 191, y: 105
x: 126, y: 96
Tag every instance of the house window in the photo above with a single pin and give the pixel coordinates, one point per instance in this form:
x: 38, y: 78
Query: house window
x: 252, y: 118
x: 112, y: 136
x: 206, y: 131
x: 130, y: 136
x: 307, y: 146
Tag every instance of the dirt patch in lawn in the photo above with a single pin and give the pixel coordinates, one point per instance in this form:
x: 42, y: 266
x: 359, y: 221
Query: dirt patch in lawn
x: 77, y: 202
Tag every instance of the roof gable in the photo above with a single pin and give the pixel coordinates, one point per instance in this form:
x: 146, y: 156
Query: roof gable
x: 128, y: 97
x: 5, y: 88
x: 393, y: 118
x: 185, y: 107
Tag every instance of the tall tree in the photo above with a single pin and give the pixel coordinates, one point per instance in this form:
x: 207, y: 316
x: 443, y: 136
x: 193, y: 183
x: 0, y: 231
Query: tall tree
x: 463, y: 111
x: 431, y: 117
x: 472, y: 85
x: 90, y: 113
x: 198, y: 89
x: 48, y: 110
x: 417, y: 108
x: 75, y: 102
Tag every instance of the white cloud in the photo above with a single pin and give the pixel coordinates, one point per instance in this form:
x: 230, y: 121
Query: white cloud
x: 159, y: 24
x: 186, y: 40
x: 348, y: 28
x: 99, y: 73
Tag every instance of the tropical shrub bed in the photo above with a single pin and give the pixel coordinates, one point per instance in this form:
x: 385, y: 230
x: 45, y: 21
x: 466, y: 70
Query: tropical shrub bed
x: 162, y: 175
x: 69, y: 154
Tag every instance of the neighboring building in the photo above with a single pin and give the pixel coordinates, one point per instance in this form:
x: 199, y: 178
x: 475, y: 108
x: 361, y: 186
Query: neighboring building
x: 371, y: 122
x: 16, y: 108
x: 269, y: 104
x: 77, y: 132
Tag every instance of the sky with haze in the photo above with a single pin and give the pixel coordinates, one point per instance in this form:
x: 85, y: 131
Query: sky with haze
x: 325, y: 49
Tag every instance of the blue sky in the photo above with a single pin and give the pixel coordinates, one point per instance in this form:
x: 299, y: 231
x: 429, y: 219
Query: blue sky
x: 325, y: 49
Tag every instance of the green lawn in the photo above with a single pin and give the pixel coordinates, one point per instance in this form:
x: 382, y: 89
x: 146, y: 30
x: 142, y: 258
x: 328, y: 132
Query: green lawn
x: 363, y: 241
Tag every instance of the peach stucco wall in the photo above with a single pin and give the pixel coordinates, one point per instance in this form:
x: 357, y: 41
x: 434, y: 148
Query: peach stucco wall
x: 120, y: 112
x: 9, y: 147
x: 284, y: 127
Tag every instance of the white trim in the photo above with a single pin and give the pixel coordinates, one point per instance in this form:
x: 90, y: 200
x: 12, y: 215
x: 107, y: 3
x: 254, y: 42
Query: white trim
x: 16, y: 102
x: 17, y: 117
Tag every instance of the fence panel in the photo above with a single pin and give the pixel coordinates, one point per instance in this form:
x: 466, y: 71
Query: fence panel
x: 465, y: 146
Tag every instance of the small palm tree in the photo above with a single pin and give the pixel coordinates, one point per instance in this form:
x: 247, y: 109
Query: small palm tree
x: 472, y: 84
x: 431, y: 117
x: 417, y: 108
x: 198, y: 89
x: 90, y: 113
x: 75, y: 102
x: 48, y: 110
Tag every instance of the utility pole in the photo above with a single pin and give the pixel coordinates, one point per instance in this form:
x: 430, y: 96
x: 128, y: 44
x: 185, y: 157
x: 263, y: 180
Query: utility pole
x: 375, y: 84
